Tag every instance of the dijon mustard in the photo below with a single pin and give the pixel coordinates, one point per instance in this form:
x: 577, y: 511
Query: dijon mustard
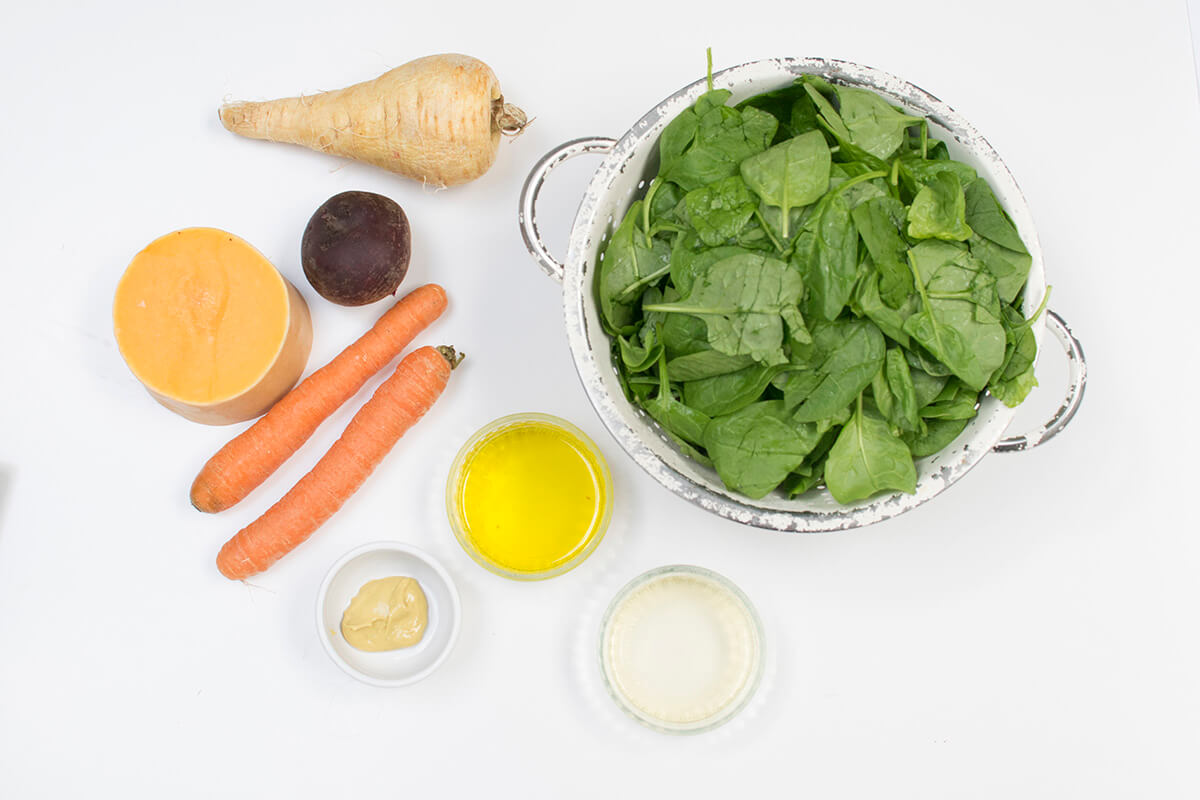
x: 386, y: 614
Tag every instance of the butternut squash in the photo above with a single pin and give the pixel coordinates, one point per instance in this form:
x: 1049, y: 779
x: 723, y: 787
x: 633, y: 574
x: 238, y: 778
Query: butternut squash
x: 210, y: 327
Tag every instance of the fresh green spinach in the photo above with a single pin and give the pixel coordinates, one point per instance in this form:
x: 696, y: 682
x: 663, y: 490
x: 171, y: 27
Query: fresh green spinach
x: 721, y: 139
x: 706, y: 364
x: 1009, y: 267
x: 1014, y: 380
x: 720, y: 210
x: 874, y: 125
x: 894, y: 392
x: 790, y: 175
x: 812, y: 291
x: 637, y: 354
x: 867, y: 458
x: 834, y: 369
x: 955, y: 401
x: 879, y: 222
x: 827, y: 255
x: 866, y: 301
x: 987, y: 218
x: 745, y: 301
x: 755, y: 448
x: 939, y: 211
x: 724, y: 394
x: 913, y: 172
x: 678, y: 419
x: 959, y: 320
x: 628, y: 262
x: 935, y: 436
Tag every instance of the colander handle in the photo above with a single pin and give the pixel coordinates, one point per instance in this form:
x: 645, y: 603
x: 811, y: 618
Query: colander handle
x: 527, y: 217
x: 1075, y: 386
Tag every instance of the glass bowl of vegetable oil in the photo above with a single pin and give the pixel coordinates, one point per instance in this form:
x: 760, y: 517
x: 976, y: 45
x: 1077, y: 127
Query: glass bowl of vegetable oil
x: 529, y: 496
x: 681, y: 649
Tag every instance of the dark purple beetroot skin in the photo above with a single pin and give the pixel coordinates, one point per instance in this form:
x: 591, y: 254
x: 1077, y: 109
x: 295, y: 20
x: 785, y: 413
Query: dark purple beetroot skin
x: 356, y: 248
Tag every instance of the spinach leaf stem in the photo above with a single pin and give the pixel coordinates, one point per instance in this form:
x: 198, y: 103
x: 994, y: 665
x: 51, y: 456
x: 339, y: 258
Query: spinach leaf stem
x: 767, y: 229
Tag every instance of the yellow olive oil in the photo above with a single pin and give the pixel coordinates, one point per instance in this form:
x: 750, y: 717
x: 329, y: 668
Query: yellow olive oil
x: 531, y: 496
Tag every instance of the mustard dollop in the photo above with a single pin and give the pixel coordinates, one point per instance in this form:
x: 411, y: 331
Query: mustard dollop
x: 386, y: 614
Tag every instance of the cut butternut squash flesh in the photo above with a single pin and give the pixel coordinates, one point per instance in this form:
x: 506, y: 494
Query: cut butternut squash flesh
x: 210, y: 327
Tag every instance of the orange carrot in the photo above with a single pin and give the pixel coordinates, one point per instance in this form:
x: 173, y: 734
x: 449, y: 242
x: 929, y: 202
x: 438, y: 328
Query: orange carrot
x: 250, y: 458
x: 396, y: 405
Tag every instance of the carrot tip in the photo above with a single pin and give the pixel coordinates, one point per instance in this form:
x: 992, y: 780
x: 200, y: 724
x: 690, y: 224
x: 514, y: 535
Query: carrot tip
x: 204, y: 501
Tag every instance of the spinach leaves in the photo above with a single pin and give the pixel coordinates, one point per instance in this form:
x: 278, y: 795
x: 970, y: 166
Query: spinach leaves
x: 791, y: 174
x: 940, y: 210
x: 630, y: 262
x: 684, y: 423
x: 755, y: 448
x: 867, y: 459
x: 874, y: 125
x: 959, y: 321
x: 708, y: 141
x: 827, y: 254
x: 720, y: 210
x: 879, y: 222
x: 744, y: 300
x: 841, y: 361
x: 812, y: 292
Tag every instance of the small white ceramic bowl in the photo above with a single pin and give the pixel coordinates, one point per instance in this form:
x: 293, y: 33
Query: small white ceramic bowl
x: 384, y: 560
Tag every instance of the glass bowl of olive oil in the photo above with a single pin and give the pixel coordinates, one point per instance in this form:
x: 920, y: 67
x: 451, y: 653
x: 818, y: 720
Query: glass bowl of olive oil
x: 529, y: 496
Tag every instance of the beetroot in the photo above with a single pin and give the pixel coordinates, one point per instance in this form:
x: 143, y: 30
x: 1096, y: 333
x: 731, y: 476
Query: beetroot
x: 356, y: 248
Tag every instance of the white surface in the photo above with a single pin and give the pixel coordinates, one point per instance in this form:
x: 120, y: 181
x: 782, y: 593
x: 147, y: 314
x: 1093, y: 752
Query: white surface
x: 1193, y: 7
x: 1030, y: 633
x: 374, y: 561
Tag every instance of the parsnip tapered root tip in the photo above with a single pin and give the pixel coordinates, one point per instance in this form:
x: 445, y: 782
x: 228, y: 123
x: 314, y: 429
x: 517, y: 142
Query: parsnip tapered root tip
x: 437, y: 119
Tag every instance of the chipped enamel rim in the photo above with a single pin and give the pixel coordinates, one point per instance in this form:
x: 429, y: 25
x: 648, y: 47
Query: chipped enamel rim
x: 629, y: 165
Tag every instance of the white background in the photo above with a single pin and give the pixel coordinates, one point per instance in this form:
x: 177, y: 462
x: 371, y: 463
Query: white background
x: 1031, y: 633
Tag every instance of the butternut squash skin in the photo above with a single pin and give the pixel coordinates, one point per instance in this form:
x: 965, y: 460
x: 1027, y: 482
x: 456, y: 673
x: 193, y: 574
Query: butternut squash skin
x: 437, y: 119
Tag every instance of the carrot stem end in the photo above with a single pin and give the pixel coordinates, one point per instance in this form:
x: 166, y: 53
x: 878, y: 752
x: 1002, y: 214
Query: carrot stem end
x: 452, y: 356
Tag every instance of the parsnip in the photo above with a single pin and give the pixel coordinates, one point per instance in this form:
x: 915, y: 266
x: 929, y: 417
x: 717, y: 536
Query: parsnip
x: 437, y: 119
